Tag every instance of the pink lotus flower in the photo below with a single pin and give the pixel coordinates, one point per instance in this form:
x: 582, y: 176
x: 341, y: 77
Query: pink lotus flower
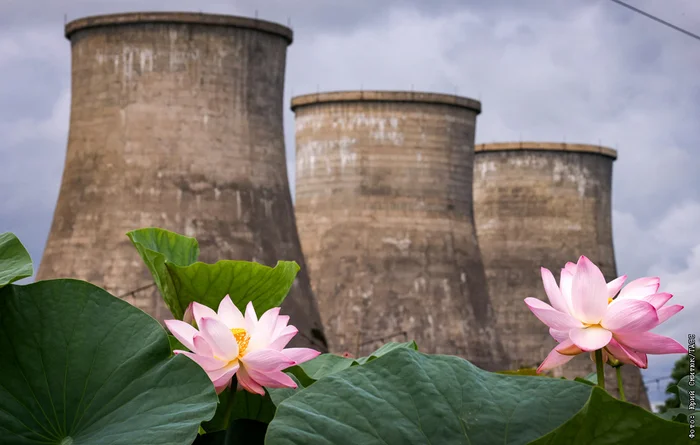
x: 586, y: 316
x: 188, y: 317
x: 228, y: 343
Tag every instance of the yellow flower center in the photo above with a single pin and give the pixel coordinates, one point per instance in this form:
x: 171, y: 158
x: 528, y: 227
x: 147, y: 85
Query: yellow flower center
x: 610, y: 300
x: 242, y: 339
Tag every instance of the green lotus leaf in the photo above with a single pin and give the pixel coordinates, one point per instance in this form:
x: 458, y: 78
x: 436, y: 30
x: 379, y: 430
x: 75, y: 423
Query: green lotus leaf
x: 682, y: 413
x: 684, y: 389
x: 80, y: 366
x: 240, y: 405
x: 387, y: 348
x: 675, y: 414
x: 15, y: 262
x: 309, y: 372
x: 172, y: 260
x: 239, y: 432
x: 326, y: 364
x: 406, y: 397
x: 604, y: 420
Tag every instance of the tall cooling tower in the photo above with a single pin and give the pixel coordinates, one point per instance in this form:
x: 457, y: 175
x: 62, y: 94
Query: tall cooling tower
x: 384, y: 206
x: 176, y: 122
x: 541, y: 205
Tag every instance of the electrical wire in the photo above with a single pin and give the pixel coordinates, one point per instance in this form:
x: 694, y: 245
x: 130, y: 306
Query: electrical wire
x: 657, y: 19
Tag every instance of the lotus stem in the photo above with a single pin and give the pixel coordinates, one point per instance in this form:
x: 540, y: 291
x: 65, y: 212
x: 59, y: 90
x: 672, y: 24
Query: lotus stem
x: 619, y: 383
x: 599, y: 367
x: 232, y: 396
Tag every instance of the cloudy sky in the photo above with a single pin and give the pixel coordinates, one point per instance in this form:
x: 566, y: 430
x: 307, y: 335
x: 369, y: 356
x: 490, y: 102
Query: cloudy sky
x: 579, y: 71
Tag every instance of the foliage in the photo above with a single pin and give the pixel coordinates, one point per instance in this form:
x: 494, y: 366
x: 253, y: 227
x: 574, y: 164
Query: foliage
x: 15, y: 262
x: 79, y: 363
x: 307, y: 373
x: 406, y: 397
x: 172, y: 260
x: 240, y: 405
x: 604, y: 420
x: 680, y: 369
x: 80, y: 366
x: 681, y: 413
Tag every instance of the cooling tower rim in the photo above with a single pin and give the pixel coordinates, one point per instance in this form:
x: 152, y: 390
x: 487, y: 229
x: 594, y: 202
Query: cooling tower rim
x: 385, y: 96
x: 546, y: 146
x: 130, y: 18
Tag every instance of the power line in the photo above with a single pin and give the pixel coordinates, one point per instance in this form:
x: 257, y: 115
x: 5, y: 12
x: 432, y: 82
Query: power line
x: 658, y: 379
x: 132, y: 292
x: 663, y: 22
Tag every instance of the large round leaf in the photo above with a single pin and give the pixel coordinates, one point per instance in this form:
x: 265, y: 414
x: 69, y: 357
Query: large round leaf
x: 604, y: 420
x: 79, y: 366
x: 172, y: 260
x: 407, y: 397
x: 15, y: 262
x: 307, y: 373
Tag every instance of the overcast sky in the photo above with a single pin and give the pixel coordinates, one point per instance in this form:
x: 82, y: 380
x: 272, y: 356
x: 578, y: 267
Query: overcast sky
x: 584, y: 71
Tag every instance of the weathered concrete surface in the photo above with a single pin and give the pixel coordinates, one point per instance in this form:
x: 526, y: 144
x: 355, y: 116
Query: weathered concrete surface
x: 384, y: 207
x: 541, y: 205
x: 176, y: 122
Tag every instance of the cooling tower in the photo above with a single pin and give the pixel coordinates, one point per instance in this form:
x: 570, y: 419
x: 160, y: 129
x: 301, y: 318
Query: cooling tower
x: 176, y: 122
x: 384, y: 206
x: 541, y: 205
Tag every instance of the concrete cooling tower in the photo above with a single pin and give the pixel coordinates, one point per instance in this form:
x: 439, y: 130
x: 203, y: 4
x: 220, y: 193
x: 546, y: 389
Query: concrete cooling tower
x: 541, y: 205
x: 176, y: 122
x: 384, y: 206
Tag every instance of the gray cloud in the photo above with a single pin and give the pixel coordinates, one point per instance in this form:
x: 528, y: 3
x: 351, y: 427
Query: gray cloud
x: 544, y: 70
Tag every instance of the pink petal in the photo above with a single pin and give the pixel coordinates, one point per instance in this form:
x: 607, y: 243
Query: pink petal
x: 629, y: 316
x: 282, y: 322
x: 657, y: 300
x: 552, y: 291
x: 267, y: 322
x: 266, y: 360
x: 623, y: 354
x: 182, y: 331
x: 551, y: 317
x: 247, y: 383
x: 589, y: 292
x: 207, y: 363
x: 223, y: 371
x: 559, y: 336
x: 230, y: 315
x: 570, y: 267
x: 650, y: 343
x: 219, y: 337
x: 200, y: 311
x: 224, y: 379
x: 188, y: 317
x: 590, y: 338
x: 553, y: 360
x: 272, y: 379
x: 567, y: 347
x: 201, y: 346
x: 641, y: 287
x: 300, y: 355
x: 221, y: 388
x: 667, y: 312
x: 565, y: 281
x: 642, y: 358
x: 615, y: 285
x: 251, y: 319
x: 281, y: 340
x: 261, y: 336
